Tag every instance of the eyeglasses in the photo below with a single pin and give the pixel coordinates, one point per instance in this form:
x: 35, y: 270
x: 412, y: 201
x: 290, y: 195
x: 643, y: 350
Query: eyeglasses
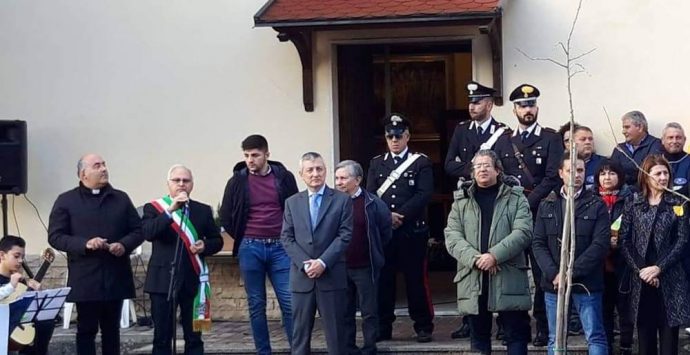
x: 178, y: 180
x: 482, y: 166
x: 391, y: 136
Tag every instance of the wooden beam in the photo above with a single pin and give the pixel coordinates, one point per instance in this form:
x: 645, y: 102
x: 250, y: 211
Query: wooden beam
x: 494, y: 31
x: 302, y: 40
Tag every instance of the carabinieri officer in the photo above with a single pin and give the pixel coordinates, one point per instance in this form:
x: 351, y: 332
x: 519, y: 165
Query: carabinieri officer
x: 404, y: 181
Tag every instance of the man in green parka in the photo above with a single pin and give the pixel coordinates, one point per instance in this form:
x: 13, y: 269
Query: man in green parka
x: 489, y: 228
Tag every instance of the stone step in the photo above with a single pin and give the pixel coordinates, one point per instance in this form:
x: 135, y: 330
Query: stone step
x: 456, y: 347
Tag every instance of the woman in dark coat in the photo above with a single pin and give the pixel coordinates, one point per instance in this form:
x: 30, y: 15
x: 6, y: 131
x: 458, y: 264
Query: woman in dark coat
x: 654, y: 233
x: 609, y: 185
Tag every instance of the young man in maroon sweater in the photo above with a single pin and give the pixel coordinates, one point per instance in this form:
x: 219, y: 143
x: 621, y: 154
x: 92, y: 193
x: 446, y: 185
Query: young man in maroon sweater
x: 252, y: 213
x: 371, y: 230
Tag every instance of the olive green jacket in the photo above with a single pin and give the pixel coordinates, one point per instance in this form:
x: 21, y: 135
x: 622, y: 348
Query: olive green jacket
x: 510, y: 235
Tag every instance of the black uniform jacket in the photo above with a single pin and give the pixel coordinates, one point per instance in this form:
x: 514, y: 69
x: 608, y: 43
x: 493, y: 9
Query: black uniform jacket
x: 157, y: 228
x: 542, y: 152
x: 410, y: 194
x: 77, y: 216
x: 464, y: 145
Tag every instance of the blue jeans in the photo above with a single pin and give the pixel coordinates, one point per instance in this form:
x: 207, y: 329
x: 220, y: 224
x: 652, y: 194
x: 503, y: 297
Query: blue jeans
x: 590, y: 309
x: 258, y: 259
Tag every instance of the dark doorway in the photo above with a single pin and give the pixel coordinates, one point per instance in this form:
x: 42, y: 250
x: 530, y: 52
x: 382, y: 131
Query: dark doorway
x: 425, y: 82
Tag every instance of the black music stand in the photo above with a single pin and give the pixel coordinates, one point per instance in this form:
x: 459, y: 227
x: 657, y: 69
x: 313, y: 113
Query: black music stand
x: 46, y: 305
x: 18, y: 310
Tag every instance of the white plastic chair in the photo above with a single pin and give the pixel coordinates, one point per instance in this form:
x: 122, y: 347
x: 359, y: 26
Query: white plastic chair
x: 127, y: 305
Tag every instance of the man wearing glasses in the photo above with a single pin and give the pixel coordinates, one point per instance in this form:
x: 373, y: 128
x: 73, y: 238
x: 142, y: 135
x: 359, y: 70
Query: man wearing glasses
x: 177, y: 224
x: 481, y: 132
x: 404, y: 181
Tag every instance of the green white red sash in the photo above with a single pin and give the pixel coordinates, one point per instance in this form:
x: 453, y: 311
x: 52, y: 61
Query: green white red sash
x: 185, y: 229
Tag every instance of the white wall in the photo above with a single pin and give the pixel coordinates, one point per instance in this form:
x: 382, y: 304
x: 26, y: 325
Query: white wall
x: 640, y: 61
x: 146, y: 84
x: 152, y: 83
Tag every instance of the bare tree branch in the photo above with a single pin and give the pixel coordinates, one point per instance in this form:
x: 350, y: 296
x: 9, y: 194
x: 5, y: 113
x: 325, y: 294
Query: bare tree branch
x: 572, y: 28
x: 541, y: 59
x: 583, y: 54
x: 576, y: 72
x: 565, y: 50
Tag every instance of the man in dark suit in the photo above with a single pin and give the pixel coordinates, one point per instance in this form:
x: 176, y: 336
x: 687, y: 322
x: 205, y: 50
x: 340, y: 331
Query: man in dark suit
x: 167, y: 220
x: 532, y: 154
x: 98, y: 227
x: 317, y: 227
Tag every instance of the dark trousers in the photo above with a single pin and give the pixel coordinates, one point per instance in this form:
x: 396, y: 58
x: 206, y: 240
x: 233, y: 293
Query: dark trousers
x: 652, y: 321
x: 538, y: 309
x: 361, y: 291
x: 647, y: 339
x: 44, y: 331
x: 331, y: 306
x: 620, y: 302
x: 163, y: 326
x: 93, y: 315
x: 516, y: 328
x: 406, y: 253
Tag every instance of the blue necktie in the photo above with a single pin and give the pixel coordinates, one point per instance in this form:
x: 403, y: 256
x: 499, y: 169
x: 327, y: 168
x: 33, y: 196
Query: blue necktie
x: 314, y: 209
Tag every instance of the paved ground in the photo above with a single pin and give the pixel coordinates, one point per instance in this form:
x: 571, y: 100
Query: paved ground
x: 236, y: 338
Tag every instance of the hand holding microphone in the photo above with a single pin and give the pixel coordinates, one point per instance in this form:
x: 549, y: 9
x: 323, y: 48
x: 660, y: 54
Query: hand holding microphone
x: 179, y: 201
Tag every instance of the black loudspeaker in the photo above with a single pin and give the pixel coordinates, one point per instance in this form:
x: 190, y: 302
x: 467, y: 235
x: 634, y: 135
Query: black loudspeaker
x: 13, y: 157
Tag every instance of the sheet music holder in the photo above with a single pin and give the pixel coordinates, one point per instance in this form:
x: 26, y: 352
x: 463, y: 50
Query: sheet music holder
x: 46, y: 304
x: 18, y: 310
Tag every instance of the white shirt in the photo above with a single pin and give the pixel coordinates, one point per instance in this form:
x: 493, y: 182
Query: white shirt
x: 401, y: 155
x: 529, y: 129
x: 484, y: 126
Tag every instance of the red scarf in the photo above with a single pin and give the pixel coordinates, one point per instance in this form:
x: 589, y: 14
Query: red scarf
x: 609, y: 197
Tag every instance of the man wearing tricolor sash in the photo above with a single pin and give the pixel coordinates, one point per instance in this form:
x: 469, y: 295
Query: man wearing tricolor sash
x: 167, y: 219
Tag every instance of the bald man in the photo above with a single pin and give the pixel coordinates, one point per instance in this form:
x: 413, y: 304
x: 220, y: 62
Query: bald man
x: 98, y: 227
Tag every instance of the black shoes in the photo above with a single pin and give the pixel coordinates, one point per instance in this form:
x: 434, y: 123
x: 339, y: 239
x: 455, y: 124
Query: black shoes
x: 463, y: 331
x: 423, y: 336
x: 542, y: 339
